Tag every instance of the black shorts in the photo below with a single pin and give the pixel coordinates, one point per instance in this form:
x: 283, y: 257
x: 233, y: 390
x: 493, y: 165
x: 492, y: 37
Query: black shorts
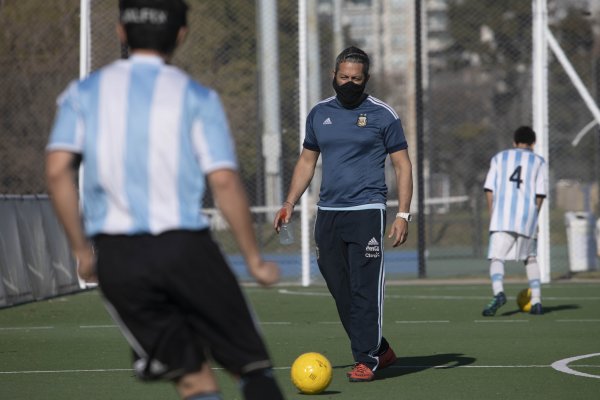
x: 177, y: 302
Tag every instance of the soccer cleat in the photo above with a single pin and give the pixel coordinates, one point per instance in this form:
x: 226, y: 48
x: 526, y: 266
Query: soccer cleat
x: 387, y: 358
x: 361, y: 373
x: 497, y: 301
x: 350, y: 372
x: 536, y: 309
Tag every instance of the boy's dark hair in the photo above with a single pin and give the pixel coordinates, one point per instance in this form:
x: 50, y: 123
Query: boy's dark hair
x: 355, y: 55
x: 153, y: 24
x: 524, y: 134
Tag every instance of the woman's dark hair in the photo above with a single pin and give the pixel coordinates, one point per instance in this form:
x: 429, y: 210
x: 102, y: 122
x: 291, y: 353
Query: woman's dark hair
x: 153, y: 24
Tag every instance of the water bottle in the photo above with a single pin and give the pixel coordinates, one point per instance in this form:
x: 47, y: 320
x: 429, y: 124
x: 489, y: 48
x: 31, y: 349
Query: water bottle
x: 286, y: 231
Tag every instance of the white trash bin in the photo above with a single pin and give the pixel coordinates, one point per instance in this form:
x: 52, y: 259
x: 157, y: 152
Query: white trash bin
x: 598, y: 237
x: 580, y: 238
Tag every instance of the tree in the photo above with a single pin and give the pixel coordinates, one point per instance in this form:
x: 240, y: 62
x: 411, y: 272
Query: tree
x: 491, y: 56
x: 39, y: 55
x: 36, y: 62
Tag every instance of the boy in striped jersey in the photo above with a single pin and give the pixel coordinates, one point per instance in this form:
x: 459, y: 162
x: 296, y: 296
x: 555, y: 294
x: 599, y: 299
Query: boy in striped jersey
x: 515, y: 189
x: 150, y: 137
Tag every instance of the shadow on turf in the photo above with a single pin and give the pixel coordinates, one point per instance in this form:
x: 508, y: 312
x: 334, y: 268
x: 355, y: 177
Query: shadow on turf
x: 410, y: 365
x: 547, y: 310
x: 323, y: 393
x: 327, y: 392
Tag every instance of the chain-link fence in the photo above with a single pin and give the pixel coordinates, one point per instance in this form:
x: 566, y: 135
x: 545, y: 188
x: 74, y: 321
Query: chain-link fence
x: 480, y: 90
x: 476, y: 82
x: 39, y: 52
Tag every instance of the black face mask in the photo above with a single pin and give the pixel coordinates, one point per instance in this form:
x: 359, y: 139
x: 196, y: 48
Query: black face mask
x: 350, y: 94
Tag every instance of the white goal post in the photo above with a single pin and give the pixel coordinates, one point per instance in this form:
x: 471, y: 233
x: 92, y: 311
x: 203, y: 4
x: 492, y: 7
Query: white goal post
x: 543, y: 39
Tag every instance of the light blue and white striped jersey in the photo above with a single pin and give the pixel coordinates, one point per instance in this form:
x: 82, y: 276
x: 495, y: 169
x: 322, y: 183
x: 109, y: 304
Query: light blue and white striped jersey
x: 516, y: 177
x: 148, y: 135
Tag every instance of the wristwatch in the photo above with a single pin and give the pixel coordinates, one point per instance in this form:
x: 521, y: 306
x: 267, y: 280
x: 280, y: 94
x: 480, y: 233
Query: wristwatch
x: 405, y: 216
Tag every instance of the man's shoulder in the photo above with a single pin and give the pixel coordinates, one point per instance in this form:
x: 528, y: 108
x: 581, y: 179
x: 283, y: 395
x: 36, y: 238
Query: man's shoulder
x: 539, y: 157
x: 89, y: 84
x: 381, y: 107
x: 504, y: 153
x: 200, y: 89
x: 327, y: 102
x: 508, y: 152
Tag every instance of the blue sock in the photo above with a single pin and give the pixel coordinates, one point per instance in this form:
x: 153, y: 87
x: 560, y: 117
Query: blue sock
x: 497, y: 275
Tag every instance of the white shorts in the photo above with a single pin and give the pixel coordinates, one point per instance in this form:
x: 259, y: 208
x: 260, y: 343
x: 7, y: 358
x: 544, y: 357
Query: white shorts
x: 511, y: 246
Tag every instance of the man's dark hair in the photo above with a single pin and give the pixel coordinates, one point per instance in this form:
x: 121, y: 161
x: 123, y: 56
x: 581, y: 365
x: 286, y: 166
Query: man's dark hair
x: 153, y: 24
x: 355, y: 55
x: 524, y: 134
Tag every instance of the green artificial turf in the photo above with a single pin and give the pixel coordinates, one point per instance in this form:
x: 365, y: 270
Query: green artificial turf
x: 68, y: 348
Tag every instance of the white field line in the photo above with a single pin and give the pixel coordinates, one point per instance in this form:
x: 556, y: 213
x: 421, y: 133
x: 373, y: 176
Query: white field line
x: 563, y: 365
x: 303, y: 293
x: 437, y: 297
x: 78, y: 371
x: 275, y: 323
x: 578, y: 320
x: 65, y: 371
x: 97, y: 326
x: 501, y: 321
x: 25, y: 328
x: 590, y: 298
x: 422, y: 322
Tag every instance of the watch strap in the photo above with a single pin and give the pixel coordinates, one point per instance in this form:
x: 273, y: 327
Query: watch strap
x: 405, y: 216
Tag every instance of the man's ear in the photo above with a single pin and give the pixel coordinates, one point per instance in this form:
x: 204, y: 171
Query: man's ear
x: 181, y: 35
x: 121, y: 34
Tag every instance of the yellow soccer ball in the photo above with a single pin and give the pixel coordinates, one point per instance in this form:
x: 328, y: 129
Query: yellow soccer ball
x: 524, y: 300
x: 311, y: 373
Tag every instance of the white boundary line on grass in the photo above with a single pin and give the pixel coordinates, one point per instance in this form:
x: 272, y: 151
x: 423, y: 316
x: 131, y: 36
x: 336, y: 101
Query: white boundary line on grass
x: 499, y: 321
x: 423, y: 322
x: 287, y: 291
x: 578, y: 320
x: 97, y: 326
x: 25, y: 328
x: 275, y: 323
x: 436, y: 297
x: 566, y: 361
x: 66, y: 371
x: 562, y: 365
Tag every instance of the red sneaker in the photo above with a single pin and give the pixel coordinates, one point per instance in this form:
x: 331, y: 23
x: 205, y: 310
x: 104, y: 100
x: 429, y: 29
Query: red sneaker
x: 387, y: 358
x: 361, y: 373
x: 350, y: 372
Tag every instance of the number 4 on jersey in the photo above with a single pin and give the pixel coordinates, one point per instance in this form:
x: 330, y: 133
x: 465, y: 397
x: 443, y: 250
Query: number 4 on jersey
x: 516, y: 177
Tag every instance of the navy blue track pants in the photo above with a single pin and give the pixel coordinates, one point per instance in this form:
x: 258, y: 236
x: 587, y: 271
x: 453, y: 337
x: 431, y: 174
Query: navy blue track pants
x: 350, y: 258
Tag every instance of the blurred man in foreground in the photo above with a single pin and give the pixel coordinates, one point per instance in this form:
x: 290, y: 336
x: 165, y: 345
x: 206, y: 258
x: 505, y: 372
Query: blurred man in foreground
x: 149, y: 136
